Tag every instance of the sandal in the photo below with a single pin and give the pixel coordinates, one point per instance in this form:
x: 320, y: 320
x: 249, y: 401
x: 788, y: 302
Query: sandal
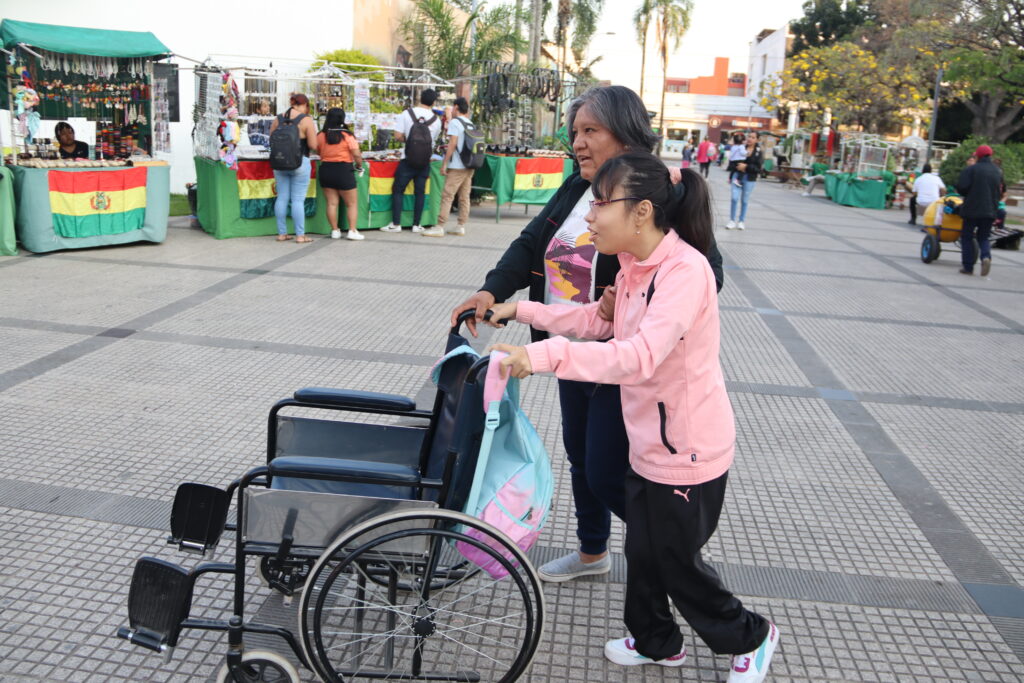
x: 283, y: 238
x: 302, y: 239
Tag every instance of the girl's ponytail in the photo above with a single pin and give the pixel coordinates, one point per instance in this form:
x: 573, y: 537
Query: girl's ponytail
x: 690, y: 212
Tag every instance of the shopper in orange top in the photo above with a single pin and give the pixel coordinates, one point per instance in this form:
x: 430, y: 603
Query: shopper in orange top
x: 339, y: 160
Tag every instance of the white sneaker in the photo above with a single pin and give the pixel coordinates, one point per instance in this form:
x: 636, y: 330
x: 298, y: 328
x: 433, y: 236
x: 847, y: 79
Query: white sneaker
x: 335, y: 234
x: 355, y: 235
x: 753, y: 666
x: 568, y: 567
x: 730, y: 225
x: 740, y: 226
x: 391, y: 227
x: 417, y: 228
x: 436, y: 231
x: 806, y: 194
x: 623, y: 651
x: 460, y: 231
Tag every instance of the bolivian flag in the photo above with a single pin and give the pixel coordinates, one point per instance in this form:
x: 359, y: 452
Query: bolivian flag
x: 257, y: 190
x: 536, y: 180
x: 382, y: 178
x: 88, y: 203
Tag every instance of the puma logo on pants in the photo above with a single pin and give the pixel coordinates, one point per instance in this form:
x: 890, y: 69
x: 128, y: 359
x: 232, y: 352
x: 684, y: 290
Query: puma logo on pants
x: 685, y: 495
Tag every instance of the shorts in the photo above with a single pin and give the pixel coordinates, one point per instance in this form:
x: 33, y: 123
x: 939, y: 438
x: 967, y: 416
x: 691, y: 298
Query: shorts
x: 337, y: 175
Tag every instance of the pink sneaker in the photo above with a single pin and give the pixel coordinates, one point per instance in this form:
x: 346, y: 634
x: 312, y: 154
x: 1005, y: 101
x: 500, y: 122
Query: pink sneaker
x: 623, y: 651
x: 753, y: 666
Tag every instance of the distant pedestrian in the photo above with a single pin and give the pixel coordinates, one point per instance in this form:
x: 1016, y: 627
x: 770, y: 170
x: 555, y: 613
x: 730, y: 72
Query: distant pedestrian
x: 458, y: 180
x: 687, y: 155
x: 746, y: 172
x: 705, y: 153
x: 723, y: 150
x: 292, y: 185
x: 981, y: 185
x: 928, y: 187
x: 416, y: 157
x: 339, y: 161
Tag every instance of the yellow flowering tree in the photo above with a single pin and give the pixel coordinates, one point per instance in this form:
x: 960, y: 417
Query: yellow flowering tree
x: 860, y: 87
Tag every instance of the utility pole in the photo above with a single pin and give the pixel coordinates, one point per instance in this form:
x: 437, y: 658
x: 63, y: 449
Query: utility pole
x: 935, y: 115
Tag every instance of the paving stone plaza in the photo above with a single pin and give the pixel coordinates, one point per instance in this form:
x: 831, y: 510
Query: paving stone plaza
x: 873, y: 511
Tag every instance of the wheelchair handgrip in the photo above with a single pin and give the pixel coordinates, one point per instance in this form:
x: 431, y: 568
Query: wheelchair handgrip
x: 469, y: 314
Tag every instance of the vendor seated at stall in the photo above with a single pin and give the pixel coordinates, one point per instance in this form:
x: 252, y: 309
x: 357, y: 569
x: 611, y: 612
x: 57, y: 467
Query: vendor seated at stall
x: 70, y: 148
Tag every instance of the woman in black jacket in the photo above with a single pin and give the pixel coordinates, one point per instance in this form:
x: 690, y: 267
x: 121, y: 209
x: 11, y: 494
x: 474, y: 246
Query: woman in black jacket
x: 750, y: 168
x: 554, y: 258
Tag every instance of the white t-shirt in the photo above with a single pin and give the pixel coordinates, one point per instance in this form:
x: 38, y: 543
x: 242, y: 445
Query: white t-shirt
x: 456, y: 128
x: 927, y: 187
x: 405, y: 123
x: 570, y: 259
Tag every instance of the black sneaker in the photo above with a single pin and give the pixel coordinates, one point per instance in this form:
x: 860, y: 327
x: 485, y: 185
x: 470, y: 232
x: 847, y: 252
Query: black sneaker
x: 966, y: 272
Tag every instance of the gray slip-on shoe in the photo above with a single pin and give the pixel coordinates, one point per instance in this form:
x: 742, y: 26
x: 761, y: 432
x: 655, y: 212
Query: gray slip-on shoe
x: 569, y: 567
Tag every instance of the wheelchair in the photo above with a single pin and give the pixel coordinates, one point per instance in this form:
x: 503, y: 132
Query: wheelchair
x: 360, y: 521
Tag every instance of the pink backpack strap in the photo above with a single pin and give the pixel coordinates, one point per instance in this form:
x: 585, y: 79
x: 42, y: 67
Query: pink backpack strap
x: 494, y: 385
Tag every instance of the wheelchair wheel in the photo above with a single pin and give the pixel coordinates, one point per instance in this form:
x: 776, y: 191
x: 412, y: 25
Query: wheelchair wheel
x: 451, y: 568
x: 930, y: 248
x: 474, y: 628
x: 261, y: 666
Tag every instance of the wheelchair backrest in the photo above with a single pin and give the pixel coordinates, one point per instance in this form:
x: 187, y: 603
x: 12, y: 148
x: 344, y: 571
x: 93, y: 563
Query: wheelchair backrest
x: 458, y: 422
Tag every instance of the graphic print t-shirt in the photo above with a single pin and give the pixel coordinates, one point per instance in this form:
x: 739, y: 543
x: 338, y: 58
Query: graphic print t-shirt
x: 570, y: 258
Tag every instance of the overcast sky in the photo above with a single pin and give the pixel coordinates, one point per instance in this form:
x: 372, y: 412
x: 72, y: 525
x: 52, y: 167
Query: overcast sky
x: 717, y: 29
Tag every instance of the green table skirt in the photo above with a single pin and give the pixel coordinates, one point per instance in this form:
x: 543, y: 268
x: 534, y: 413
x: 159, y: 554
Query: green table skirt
x: 220, y: 215
x: 498, y: 174
x: 8, y: 240
x: 846, y: 189
x: 34, y: 220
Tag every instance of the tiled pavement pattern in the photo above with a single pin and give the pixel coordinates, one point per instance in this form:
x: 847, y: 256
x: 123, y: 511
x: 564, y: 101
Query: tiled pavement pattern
x: 874, y: 510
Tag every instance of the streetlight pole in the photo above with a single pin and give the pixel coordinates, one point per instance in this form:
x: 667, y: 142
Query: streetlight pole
x: 935, y: 115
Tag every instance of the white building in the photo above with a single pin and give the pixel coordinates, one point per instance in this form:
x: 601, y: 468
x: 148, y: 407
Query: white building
x: 767, y: 57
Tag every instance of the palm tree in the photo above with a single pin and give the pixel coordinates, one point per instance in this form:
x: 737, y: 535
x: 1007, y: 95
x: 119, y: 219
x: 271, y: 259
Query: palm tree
x: 443, y: 43
x: 582, y: 15
x: 642, y: 22
x: 671, y: 23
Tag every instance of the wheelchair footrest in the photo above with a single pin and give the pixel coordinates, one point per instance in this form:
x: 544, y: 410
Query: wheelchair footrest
x: 198, y: 517
x: 158, y: 602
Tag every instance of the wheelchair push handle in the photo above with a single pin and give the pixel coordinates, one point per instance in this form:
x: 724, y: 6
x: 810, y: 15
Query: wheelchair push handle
x: 469, y: 314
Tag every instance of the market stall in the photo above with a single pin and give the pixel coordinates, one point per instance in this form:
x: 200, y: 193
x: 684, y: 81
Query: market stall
x: 8, y: 243
x: 235, y: 184
x: 523, y: 180
x: 112, y: 191
x: 866, y: 193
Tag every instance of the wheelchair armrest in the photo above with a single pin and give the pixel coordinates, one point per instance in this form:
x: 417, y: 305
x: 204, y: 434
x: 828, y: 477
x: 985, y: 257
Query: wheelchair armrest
x: 339, y: 469
x: 344, y: 398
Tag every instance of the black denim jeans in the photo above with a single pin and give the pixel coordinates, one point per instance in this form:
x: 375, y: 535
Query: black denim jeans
x: 975, y: 228
x: 598, y: 450
x: 403, y: 174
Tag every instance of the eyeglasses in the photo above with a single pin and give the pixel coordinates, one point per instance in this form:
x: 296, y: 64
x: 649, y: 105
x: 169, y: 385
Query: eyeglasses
x: 598, y: 203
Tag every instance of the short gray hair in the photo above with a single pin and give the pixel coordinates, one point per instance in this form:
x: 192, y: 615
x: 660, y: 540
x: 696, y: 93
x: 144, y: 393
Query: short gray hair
x: 621, y: 111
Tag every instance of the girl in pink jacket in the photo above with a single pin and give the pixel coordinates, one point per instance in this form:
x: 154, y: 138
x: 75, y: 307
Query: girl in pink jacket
x: 663, y: 351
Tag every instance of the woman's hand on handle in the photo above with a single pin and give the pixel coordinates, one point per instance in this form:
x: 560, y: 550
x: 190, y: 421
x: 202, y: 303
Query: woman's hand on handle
x: 501, y: 314
x: 479, y: 302
x: 517, y: 362
x: 606, y: 310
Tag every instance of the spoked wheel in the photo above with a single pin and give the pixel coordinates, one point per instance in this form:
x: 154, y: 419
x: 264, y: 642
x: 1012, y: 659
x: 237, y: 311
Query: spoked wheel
x: 451, y: 568
x: 477, y: 628
x: 260, y: 666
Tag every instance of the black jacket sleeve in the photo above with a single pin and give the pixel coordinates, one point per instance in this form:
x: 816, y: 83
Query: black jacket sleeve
x: 512, y: 272
x: 963, y: 183
x: 715, y: 259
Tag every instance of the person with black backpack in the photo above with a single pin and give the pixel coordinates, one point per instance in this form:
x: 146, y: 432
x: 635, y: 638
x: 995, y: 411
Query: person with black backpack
x: 419, y: 127
x: 292, y: 138
x: 465, y: 154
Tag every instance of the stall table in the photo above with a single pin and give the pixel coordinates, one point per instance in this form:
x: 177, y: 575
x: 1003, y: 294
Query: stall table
x: 8, y: 242
x: 221, y: 211
x: 77, y: 208
x: 522, y: 180
x: 849, y: 190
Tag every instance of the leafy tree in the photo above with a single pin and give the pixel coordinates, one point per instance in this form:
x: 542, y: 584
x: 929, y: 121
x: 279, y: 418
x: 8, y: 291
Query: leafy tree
x: 642, y: 23
x: 672, y: 21
x: 826, y: 22
x: 349, y: 57
x: 857, y: 85
x: 1010, y: 157
x: 441, y: 40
